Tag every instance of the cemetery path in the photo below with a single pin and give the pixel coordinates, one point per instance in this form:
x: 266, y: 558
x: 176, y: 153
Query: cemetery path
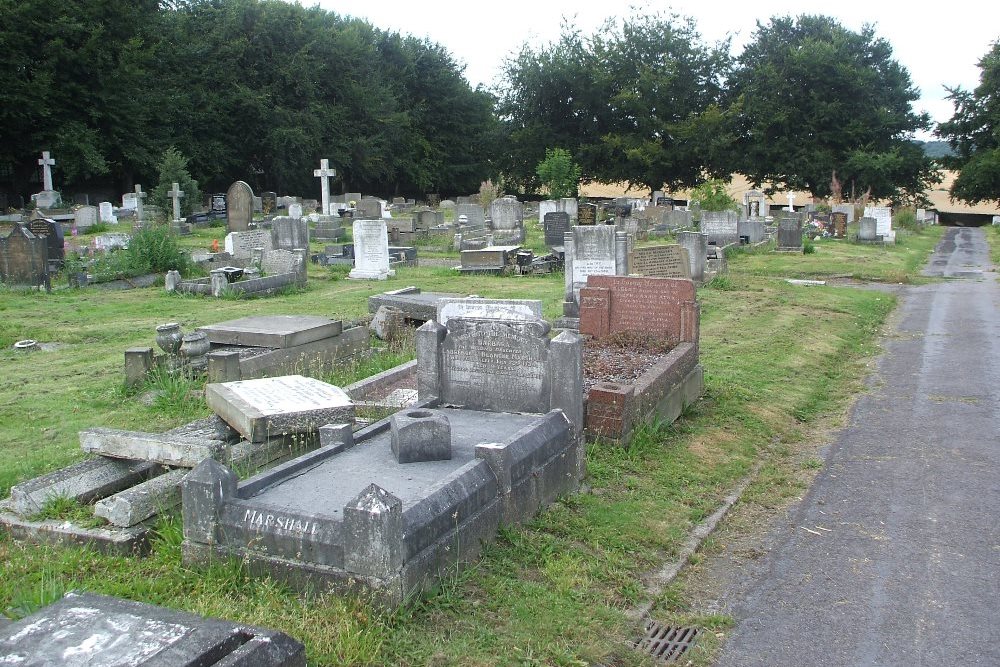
x: 893, y: 557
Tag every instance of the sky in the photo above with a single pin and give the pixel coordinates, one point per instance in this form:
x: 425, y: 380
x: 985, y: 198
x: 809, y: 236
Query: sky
x: 939, y: 43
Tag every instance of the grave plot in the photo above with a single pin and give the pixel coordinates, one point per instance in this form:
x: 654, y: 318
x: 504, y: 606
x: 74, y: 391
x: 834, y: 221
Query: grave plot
x: 134, y: 476
x: 493, y: 439
x: 268, y: 272
x: 417, y: 306
x: 250, y: 347
x: 642, y: 360
x: 101, y: 631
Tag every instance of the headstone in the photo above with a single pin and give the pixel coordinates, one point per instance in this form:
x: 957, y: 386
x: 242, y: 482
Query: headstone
x: 791, y: 202
x: 106, y: 213
x: 586, y: 214
x: 838, y: 221
x: 48, y: 197
x: 660, y: 306
x: 789, y: 233
x: 570, y: 206
x: 267, y: 407
x: 846, y: 209
x: 282, y: 262
x: 755, y: 204
x: 696, y: 245
x: 371, y: 251
x: 545, y: 207
x: 475, y: 308
x: 721, y: 227
x: 85, y: 217
x: 217, y: 202
x: 506, y: 213
x: 175, y: 195
x: 268, y: 203
x: 475, y: 216
x: 130, y: 201
x: 111, y: 241
x: 751, y: 231
x: 352, y: 199
x: 46, y: 163
x: 289, y: 233
x: 241, y: 244
x: 100, y: 631
x: 660, y: 261
x: 139, y: 196
x: 52, y: 232
x: 295, y: 210
x: 369, y: 208
x: 258, y: 205
x: 556, y: 224
x: 239, y: 207
x: 591, y: 250
x: 868, y: 229
x: 883, y: 218
x: 324, y: 174
x: 24, y: 258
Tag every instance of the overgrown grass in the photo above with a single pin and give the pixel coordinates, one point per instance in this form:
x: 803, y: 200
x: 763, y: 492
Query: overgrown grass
x: 778, y: 359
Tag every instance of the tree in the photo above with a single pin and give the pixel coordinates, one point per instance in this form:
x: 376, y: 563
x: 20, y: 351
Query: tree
x: 637, y: 101
x: 974, y: 134
x: 173, y: 169
x: 558, y: 173
x: 713, y: 196
x: 815, y: 97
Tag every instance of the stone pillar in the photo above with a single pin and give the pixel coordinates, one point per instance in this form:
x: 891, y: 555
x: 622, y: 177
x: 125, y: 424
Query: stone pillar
x: 569, y: 296
x: 224, y: 366
x: 301, y: 267
x: 566, y: 389
x: 219, y: 282
x: 621, y: 253
x: 203, y: 492
x: 173, y: 280
x: 428, y: 343
x: 373, y: 533
x: 138, y: 363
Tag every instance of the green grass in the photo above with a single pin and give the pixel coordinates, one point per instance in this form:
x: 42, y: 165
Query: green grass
x: 779, y: 361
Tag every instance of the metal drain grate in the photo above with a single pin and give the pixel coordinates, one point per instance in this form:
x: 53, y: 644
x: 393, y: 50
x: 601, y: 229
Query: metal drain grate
x: 665, y: 643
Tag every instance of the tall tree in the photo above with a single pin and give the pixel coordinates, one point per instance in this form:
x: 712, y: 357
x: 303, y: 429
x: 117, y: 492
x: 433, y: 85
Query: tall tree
x: 974, y: 134
x: 816, y: 97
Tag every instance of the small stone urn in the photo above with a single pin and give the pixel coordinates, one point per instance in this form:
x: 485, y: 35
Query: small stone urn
x: 194, y: 347
x: 168, y: 337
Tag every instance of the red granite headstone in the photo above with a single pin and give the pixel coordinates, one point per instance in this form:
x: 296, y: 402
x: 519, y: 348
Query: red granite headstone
x: 663, y: 306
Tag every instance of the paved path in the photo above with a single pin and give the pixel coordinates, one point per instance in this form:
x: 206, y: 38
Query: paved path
x: 902, y: 566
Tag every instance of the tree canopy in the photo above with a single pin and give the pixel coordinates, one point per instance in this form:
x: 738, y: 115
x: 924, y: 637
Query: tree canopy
x: 815, y: 97
x: 974, y: 134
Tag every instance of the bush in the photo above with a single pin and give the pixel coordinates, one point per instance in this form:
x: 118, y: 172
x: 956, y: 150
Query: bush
x: 151, y: 250
x: 712, y: 196
x: 905, y: 219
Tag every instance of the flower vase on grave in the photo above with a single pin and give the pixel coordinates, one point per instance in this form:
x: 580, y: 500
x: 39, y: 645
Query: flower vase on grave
x: 169, y: 337
x: 194, y: 347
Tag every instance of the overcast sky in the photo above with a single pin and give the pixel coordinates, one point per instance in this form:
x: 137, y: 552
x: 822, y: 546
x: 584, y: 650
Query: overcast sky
x: 939, y: 46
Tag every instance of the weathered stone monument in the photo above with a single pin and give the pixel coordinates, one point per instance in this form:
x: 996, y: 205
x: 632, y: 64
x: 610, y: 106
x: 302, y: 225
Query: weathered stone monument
x: 755, y: 204
x: 24, y: 259
x: 507, y: 213
x: 556, y: 224
x: 660, y: 261
x: 289, y: 233
x: 883, y: 220
x: 597, y: 250
x: 696, y: 244
x: 721, y: 227
x: 586, y: 214
x: 789, y: 233
x: 371, y: 251
x: 48, y: 197
x: 175, y: 193
x: 239, y: 207
x: 838, y: 224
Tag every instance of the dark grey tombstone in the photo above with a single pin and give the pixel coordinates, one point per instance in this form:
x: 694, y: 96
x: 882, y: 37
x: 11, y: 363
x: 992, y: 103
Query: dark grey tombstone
x: 268, y: 202
x: 100, y: 631
x: 368, y: 208
x: 24, y: 258
x: 289, y: 233
x: 586, y: 214
x: 217, y: 202
x: 239, y: 207
x: 556, y: 225
x: 868, y: 229
x: 52, y: 232
x: 839, y: 224
x: 790, y: 233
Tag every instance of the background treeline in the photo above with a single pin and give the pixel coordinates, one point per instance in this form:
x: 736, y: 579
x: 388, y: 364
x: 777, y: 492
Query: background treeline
x: 260, y: 90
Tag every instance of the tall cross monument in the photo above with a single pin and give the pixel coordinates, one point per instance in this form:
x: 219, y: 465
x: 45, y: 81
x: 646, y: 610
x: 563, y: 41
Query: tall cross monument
x: 324, y: 174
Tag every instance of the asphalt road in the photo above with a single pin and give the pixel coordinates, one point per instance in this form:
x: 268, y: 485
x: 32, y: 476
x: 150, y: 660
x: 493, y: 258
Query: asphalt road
x: 893, y: 557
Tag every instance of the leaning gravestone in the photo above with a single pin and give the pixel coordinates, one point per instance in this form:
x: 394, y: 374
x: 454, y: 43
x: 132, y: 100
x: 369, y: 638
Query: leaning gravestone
x: 660, y: 261
x: 52, y: 232
x: 239, y: 207
x: 506, y: 213
x: 371, y: 251
x: 556, y: 225
x: 696, y: 245
x: 24, y: 258
x: 84, y: 629
x: 586, y: 214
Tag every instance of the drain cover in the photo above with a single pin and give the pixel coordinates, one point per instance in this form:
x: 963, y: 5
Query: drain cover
x: 666, y: 643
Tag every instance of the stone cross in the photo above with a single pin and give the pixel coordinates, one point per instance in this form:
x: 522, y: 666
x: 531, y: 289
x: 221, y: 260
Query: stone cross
x: 791, y: 201
x: 175, y: 194
x: 139, y: 196
x: 324, y: 173
x: 47, y: 164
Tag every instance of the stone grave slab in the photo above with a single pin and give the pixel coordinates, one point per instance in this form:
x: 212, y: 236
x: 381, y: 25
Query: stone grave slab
x: 490, y: 258
x: 266, y: 407
x: 275, y: 331
x: 660, y: 261
x: 412, y: 302
x: 84, y: 629
x: 171, y: 450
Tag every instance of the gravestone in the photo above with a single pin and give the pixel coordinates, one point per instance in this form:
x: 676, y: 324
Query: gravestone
x: 130, y: 201
x: 476, y: 308
x: 474, y: 214
x: 846, y: 209
x: 371, y: 251
x: 556, y: 224
x: 217, y: 202
x: 295, y: 210
x: 111, y: 241
x: 106, y: 213
x: 289, y: 233
x: 660, y: 261
x: 506, y: 213
x: 282, y: 262
x: 175, y: 195
x: 696, y: 244
x: 883, y: 219
x: 595, y: 250
x: 868, y: 229
x: 839, y: 224
x: 751, y: 231
x: 569, y: 205
x: 324, y: 174
x: 85, y: 217
x: 586, y: 214
x: 241, y: 244
x: 489, y: 259
x: 755, y: 204
x: 84, y: 629
x: 412, y: 302
x: 268, y: 203
x: 48, y: 197
x: 369, y: 208
x: 24, y: 258
x: 721, y: 227
x: 661, y: 306
x: 239, y: 207
x: 789, y: 233
x: 52, y: 232
x: 545, y: 207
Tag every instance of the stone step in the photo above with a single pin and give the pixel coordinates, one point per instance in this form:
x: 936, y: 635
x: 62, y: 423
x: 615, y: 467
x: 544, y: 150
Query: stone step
x: 172, y: 450
x: 132, y: 506
x: 84, y: 482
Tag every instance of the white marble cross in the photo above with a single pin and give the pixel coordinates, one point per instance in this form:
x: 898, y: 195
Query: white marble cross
x: 47, y: 164
x: 791, y: 201
x: 324, y: 173
x: 175, y: 194
x: 139, y: 196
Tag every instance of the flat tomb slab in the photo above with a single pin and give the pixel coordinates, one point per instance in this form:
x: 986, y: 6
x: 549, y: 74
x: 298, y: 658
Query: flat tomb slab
x: 327, y: 487
x: 275, y: 331
x: 84, y: 629
x: 267, y: 407
x: 416, y: 305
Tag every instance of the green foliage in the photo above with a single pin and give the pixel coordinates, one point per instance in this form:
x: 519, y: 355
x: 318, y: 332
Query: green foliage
x: 558, y: 173
x: 489, y: 191
x: 808, y: 247
x: 151, y: 250
x: 173, y: 169
x: 974, y: 134
x: 636, y: 101
x: 815, y: 97
x: 713, y: 196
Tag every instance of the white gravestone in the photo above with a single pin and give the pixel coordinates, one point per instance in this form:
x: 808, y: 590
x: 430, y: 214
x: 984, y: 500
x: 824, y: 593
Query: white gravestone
x: 324, y: 173
x: 107, y: 212
x: 295, y: 210
x: 46, y: 163
x: 883, y: 221
x: 371, y: 251
x: 175, y: 195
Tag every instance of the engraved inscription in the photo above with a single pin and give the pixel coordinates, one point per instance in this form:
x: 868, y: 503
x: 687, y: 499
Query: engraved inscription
x: 666, y: 261
x: 260, y: 521
x: 289, y: 394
